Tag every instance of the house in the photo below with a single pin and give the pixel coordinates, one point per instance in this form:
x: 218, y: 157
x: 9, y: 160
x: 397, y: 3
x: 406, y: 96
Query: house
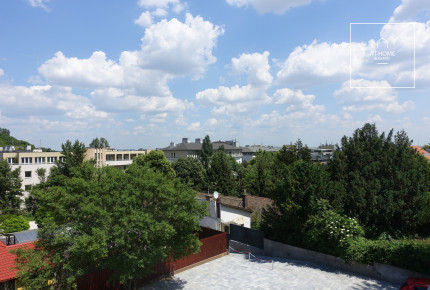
x: 194, y: 149
x: 223, y: 213
x: 421, y: 151
x: 10, y: 242
x: 249, y: 152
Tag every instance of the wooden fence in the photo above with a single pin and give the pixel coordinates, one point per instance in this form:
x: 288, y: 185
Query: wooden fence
x: 213, y: 244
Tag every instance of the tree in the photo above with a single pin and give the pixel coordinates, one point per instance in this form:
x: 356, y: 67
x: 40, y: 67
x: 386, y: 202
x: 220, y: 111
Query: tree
x: 190, y: 171
x: 221, y: 173
x: 99, y: 143
x: 260, y: 178
x: 207, y: 152
x: 73, y: 156
x: 382, y: 180
x: 11, y: 223
x: 104, y: 218
x: 156, y: 161
x: 10, y: 188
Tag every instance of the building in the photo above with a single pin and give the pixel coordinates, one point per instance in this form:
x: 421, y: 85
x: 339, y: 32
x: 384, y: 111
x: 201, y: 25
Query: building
x: 249, y: 152
x: 113, y: 157
x: 421, y: 151
x: 322, y: 153
x: 29, y: 161
x: 194, y: 149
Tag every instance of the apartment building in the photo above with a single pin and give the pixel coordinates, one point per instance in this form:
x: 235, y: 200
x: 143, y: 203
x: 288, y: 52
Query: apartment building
x: 113, y: 157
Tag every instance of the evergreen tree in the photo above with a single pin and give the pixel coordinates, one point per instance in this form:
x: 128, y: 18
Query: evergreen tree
x: 10, y: 188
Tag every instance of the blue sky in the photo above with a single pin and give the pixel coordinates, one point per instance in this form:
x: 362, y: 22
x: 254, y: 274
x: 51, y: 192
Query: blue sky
x: 144, y: 73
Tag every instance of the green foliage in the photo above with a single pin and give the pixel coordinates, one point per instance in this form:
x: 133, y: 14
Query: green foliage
x: 123, y: 222
x: 330, y: 232
x: 190, y: 171
x: 222, y: 173
x: 11, y: 223
x: 10, y: 188
x: 405, y: 253
x: 157, y: 162
x: 99, y: 143
x: 382, y: 181
x: 6, y: 140
x: 207, y: 152
x: 260, y: 175
x: 73, y: 156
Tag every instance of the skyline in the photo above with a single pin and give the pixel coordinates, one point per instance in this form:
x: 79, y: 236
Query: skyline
x: 144, y: 73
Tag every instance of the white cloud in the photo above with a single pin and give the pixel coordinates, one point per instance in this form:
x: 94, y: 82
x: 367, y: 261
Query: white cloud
x: 409, y: 9
x: 39, y: 3
x: 368, y: 98
x: 145, y: 19
x: 176, y: 5
x: 317, y: 63
x: 194, y: 126
x: 296, y: 101
x: 95, y: 71
x: 256, y: 66
x: 269, y: 6
x: 1, y: 72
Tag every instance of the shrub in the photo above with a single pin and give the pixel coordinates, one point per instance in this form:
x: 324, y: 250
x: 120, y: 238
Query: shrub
x: 13, y: 223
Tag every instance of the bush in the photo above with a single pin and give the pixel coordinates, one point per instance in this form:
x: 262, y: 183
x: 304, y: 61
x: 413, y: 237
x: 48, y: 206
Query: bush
x: 13, y: 223
x: 409, y: 254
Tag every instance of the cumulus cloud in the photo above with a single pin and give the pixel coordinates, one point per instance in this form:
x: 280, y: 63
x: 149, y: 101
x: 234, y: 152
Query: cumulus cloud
x: 241, y: 99
x: 371, y: 97
x: 296, y: 101
x: 409, y: 9
x: 47, y: 100
x: 145, y: 19
x: 318, y: 63
x: 269, y: 6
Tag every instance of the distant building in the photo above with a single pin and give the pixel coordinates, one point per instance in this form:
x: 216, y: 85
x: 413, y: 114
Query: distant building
x: 113, y: 157
x: 189, y: 149
x: 322, y: 153
x: 249, y: 152
x: 421, y: 151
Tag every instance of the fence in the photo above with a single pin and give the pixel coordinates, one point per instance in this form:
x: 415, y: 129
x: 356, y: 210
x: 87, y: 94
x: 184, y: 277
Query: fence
x: 213, y: 244
x: 247, y: 236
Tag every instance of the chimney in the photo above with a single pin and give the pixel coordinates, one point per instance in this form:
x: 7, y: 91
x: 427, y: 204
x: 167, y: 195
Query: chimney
x: 198, y: 140
x: 185, y: 140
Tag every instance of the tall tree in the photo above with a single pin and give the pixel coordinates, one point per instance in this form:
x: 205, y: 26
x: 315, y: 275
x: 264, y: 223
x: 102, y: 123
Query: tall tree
x: 190, y: 171
x: 73, y: 156
x: 10, y: 188
x: 207, y: 152
x: 221, y: 173
x: 260, y: 178
x: 99, y: 143
x: 382, y: 180
x: 104, y: 218
x: 156, y: 161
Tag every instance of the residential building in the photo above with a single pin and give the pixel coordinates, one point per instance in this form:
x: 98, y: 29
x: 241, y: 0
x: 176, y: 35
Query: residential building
x: 29, y: 161
x: 422, y: 152
x: 249, y: 152
x: 322, y: 153
x: 113, y: 157
x: 194, y: 149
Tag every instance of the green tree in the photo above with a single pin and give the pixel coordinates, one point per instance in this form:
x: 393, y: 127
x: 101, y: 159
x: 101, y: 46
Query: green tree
x: 73, y: 155
x: 207, y: 152
x: 260, y: 176
x: 123, y: 222
x: 222, y: 175
x: 10, y: 188
x: 11, y: 223
x: 190, y: 171
x: 156, y: 161
x: 99, y: 143
x: 383, y: 181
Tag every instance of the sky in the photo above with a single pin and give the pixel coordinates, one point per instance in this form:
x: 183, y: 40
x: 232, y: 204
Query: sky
x: 145, y: 73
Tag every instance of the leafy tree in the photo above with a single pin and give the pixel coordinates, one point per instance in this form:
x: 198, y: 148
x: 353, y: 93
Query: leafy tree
x: 99, y: 143
x: 156, y: 161
x: 260, y: 178
x: 383, y: 181
x: 10, y: 188
x: 222, y: 175
x: 11, y: 223
x: 73, y: 156
x: 104, y: 218
x: 207, y: 152
x: 427, y: 147
x: 6, y: 139
x: 190, y: 171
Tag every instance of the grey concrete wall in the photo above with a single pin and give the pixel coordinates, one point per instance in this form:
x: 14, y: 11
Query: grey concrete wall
x: 241, y: 247
x: 376, y: 271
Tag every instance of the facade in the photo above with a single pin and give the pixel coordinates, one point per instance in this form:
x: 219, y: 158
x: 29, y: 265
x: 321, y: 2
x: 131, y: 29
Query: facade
x: 189, y: 149
x: 113, y: 157
x: 322, y: 153
x: 29, y: 161
x: 249, y: 152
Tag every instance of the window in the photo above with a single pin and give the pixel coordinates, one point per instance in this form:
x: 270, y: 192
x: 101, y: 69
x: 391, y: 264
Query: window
x: 27, y: 187
x: 28, y: 174
x: 39, y: 160
x: 26, y: 160
x: 51, y: 159
x: 11, y: 160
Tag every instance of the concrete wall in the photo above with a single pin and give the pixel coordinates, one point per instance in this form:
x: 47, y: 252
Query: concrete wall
x: 376, y: 271
x: 236, y: 216
x: 241, y: 247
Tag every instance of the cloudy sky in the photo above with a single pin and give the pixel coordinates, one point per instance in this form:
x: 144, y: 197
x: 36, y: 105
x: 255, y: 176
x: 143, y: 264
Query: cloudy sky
x: 144, y: 73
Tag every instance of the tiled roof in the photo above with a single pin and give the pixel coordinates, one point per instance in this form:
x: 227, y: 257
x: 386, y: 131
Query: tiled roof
x: 422, y: 152
x: 7, y: 260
